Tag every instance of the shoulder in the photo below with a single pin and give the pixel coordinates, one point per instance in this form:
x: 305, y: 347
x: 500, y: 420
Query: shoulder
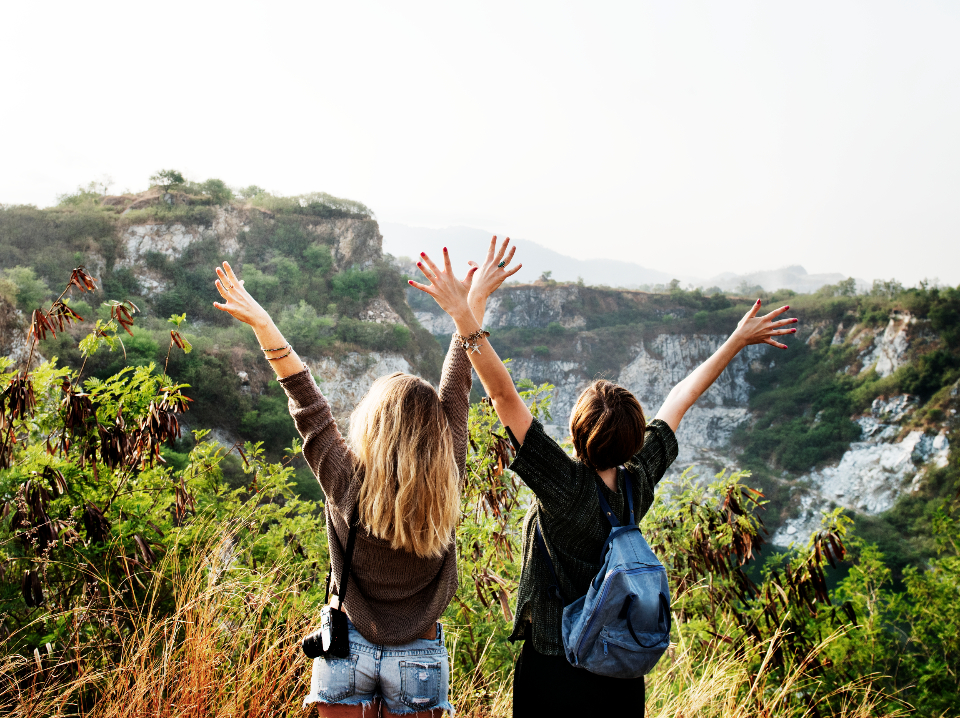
x: 661, y: 441
x: 659, y: 450
x: 540, y: 451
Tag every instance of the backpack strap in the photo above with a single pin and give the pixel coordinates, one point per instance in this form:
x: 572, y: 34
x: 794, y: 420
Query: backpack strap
x: 605, y: 506
x: 542, y: 545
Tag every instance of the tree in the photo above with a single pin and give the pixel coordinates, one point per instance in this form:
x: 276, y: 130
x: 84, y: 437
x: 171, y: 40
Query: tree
x: 168, y: 179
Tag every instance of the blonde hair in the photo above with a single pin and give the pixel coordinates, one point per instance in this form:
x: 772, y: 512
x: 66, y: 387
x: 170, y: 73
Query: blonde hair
x: 410, y: 491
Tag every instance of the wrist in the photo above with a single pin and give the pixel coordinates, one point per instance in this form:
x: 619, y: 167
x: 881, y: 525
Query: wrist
x: 737, y: 342
x: 261, y: 322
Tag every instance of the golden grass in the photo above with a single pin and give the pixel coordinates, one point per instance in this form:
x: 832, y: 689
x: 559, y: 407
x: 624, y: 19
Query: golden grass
x: 231, y: 648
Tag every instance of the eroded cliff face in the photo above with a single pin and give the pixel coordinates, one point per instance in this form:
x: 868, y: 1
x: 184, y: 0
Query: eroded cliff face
x: 890, y: 459
x: 13, y: 334
x: 704, y: 434
x: 355, y: 242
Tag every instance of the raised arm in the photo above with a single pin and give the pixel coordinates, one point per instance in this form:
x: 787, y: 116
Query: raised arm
x: 324, y: 449
x: 456, y: 298
x: 751, y: 330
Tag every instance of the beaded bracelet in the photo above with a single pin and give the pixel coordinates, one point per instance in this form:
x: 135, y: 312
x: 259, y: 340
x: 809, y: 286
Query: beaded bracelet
x: 471, y: 343
x: 282, y: 356
x: 274, y: 350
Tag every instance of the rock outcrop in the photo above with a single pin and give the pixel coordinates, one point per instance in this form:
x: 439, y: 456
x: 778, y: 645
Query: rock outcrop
x: 355, y: 242
x: 873, y: 472
x: 344, y: 382
x: 14, y: 343
x: 889, y: 459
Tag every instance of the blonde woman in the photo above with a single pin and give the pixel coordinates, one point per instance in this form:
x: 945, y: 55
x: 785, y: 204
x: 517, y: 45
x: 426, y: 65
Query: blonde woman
x: 399, y: 475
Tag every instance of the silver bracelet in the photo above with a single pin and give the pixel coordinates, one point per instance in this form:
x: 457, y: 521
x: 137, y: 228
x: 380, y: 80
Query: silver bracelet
x: 472, y: 342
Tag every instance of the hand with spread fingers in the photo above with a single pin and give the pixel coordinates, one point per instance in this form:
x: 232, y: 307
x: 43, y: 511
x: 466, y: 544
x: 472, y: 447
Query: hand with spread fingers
x: 448, y: 291
x: 761, y: 330
x: 239, y: 303
x: 471, y: 293
x: 494, y: 271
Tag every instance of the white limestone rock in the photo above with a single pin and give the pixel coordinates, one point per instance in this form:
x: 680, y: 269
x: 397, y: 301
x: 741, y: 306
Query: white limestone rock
x: 889, y: 349
x: 873, y: 472
x: 344, y: 383
x: 436, y: 324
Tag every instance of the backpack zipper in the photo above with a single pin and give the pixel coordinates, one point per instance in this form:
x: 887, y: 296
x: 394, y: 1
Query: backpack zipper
x: 599, y: 601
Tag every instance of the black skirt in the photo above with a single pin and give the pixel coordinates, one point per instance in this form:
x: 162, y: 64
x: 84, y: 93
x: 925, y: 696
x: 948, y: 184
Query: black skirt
x: 549, y: 685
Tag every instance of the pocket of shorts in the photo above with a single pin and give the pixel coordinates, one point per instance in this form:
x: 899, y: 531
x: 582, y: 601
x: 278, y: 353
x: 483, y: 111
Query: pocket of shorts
x: 420, y: 684
x: 336, y: 678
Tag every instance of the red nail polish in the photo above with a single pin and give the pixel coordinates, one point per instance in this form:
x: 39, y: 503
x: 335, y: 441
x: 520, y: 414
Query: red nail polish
x: 794, y: 331
x: 423, y: 254
x: 786, y: 307
x: 444, y: 249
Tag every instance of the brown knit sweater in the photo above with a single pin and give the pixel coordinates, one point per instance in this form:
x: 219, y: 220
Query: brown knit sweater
x: 394, y: 596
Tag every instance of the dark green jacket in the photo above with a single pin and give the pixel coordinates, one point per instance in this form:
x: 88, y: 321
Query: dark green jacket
x: 573, y: 525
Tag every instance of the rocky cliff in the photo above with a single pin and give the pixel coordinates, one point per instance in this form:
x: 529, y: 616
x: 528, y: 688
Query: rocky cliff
x: 890, y: 459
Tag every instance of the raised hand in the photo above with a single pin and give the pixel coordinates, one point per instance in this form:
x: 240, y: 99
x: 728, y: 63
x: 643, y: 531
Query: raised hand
x: 493, y: 272
x: 761, y: 330
x: 239, y: 303
x: 448, y: 291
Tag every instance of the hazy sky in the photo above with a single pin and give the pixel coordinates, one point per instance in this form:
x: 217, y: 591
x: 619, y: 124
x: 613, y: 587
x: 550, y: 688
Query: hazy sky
x: 692, y: 138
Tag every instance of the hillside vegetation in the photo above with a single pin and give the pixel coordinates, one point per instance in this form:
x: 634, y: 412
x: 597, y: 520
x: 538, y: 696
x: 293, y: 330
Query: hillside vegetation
x: 286, y: 251
x: 148, y: 569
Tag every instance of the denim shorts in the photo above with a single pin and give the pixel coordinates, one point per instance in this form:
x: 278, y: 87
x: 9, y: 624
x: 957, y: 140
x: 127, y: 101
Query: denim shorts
x: 409, y: 678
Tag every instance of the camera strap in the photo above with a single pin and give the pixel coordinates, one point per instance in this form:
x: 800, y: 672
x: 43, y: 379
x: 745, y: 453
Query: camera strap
x: 347, y: 561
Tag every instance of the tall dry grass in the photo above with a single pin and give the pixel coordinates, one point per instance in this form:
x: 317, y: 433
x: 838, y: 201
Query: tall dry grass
x: 231, y: 647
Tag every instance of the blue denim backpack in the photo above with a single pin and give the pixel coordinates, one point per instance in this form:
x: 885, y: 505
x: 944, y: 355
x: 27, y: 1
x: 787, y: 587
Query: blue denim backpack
x: 622, y: 626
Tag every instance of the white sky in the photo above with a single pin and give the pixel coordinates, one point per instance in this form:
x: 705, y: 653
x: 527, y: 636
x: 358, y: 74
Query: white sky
x: 688, y: 137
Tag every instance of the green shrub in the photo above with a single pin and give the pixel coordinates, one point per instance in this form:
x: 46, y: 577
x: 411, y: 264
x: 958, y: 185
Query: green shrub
x: 370, y: 335
x: 217, y: 190
x: 305, y: 329
x: 356, y: 284
x: 930, y: 372
x: 29, y: 290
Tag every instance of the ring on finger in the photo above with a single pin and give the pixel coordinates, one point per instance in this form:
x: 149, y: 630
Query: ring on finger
x: 502, y: 264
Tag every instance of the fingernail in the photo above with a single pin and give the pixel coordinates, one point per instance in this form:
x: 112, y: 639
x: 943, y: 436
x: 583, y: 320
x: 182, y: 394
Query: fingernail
x: 758, y: 301
x: 418, y: 264
x: 423, y: 254
x: 786, y: 307
x: 795, y: 321
x: 444, y: 249
x: 793, y: 331
x: 409, y: 281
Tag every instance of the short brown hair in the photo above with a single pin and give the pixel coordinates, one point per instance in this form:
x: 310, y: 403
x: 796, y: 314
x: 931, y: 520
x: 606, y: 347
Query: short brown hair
x: 607, y: 425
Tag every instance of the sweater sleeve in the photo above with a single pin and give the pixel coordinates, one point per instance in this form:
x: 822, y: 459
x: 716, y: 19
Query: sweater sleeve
x: 455, y: 382
x: 648, y: 465
x: 324, y: 449
x: 545, y: 467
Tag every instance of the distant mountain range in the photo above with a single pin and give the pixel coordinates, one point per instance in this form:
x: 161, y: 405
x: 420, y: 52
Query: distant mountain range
x: 470, y: 243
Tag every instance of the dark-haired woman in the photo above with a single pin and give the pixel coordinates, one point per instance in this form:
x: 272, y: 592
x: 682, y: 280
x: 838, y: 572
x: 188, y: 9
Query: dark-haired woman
x: 608, y: 431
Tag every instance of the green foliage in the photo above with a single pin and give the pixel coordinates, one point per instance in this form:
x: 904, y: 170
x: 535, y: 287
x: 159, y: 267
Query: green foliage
x: 370, y: 335
x: 163, y: 213
x: 27, y: 289
x: 930, y: 372
x: 167, y: 179
x: 84, y: 197
x: 305, y: 329
x: 217, y: 190
x: 314, y: 204
x: 355, y: 284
